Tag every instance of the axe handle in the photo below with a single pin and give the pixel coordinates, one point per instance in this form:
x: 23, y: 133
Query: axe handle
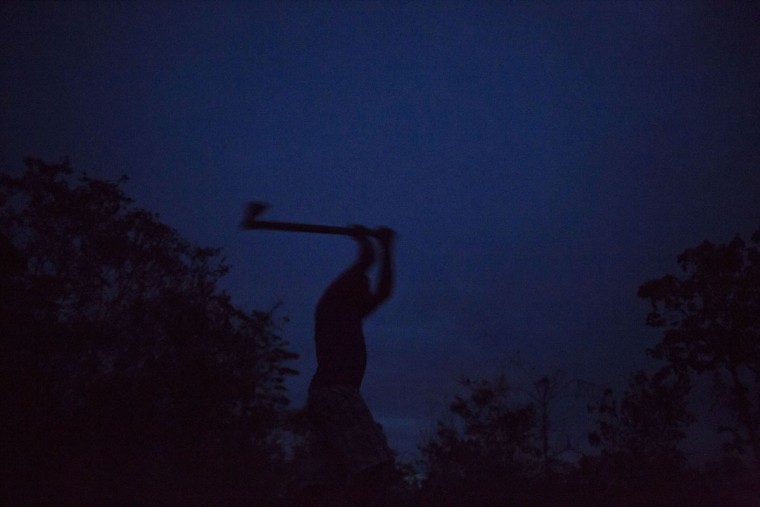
x: 289, y: 226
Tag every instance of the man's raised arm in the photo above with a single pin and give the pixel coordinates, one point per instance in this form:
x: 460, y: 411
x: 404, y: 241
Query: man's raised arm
x: 386, y: 238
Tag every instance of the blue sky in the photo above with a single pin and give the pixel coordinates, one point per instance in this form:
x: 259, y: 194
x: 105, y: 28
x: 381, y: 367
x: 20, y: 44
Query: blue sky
x: 539, y: 160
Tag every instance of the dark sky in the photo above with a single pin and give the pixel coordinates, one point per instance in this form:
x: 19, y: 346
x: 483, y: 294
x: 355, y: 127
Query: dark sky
x: 539, y: 160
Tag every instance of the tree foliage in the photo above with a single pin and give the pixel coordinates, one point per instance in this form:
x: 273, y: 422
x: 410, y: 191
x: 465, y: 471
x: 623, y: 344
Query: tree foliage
x: 638, y: 437
x: 494, y: 428
x: 711, y: 321
x: 647, y: 423
x: 120, y: 354
x: 498, y: 449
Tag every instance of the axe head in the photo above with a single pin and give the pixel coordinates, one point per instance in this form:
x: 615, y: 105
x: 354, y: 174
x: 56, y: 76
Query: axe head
x: 252, y: 211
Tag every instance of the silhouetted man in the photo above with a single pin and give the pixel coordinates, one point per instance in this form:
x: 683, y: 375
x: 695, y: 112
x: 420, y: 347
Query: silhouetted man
x: 346, y: 441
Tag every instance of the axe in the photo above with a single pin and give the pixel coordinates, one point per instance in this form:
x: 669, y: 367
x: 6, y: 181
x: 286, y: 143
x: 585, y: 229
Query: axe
x: 254, y: 209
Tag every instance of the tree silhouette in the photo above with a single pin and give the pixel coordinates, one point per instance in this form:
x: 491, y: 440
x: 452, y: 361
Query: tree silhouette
x: 125, y: 371
x: 484, y: 455
x: 639, y: 437
x: 649, y: 420
x: 498, y: 448
x: 711, y: 322
x: 545, y: 393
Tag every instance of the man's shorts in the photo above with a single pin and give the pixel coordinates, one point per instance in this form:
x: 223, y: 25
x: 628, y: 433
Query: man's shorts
x: 345, y: 438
